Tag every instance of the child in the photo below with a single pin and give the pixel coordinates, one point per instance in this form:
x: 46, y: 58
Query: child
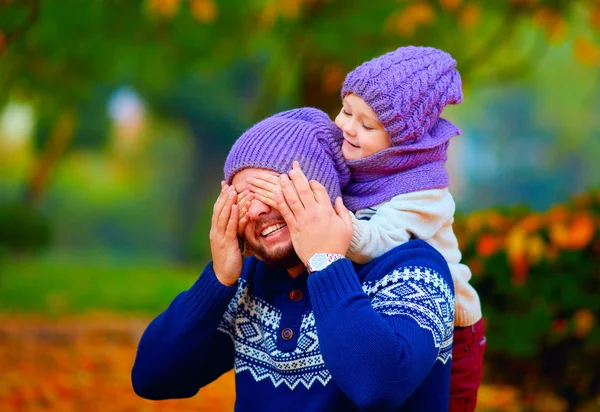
x: 395, y: 144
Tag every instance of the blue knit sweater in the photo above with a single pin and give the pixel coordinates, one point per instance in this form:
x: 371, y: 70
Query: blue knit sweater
x: 350, y: 337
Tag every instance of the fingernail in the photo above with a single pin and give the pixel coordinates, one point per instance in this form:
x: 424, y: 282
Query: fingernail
x: 293, y: 172
x: 283, y: 177
x: 296, y: 164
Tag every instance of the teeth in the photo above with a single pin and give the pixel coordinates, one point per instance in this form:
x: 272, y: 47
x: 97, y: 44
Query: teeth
x: 271, y: 229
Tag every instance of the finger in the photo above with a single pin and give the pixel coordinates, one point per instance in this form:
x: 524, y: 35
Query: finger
x: 223, y: 184
x: 320, y: 193
x: 218, y: 206
x: 243, y: 195
x: 267, y: 200
x: 231, y: 231
x: 242, y: 226
x: 342, y: 212
x: 271, y: 185
x: 226, y: 211
x: 262, y: 192
x: 296, y: 165
x: 302, y: 186
x: 290, y: 196
x: 245, y: 205
x: 284, y: 209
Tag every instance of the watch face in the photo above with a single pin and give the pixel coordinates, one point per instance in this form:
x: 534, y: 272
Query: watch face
x: 320, y: 262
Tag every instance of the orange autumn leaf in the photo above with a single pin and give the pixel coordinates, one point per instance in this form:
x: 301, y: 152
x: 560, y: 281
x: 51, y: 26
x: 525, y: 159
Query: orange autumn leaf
x: 595, y: 18
x: 524, y: 2
x: 516, y: 244
x: 532, y: 222
x: 474, y: 222
x: 520, y: 268
x: 487, y: 245
x: 496, y: 221
x: 581, y: 231
x: 269, y: 15
x: 450, y: 5
x: 290, y: 9
x: 205, y: 11
x: 333, y: 76
x: 552, y: 23
x: 586, y: 52
x: 407, y: 21
x: 164, y: 8
x: 558, y: 214
x: 469, y: 16
x: 559, y: 235
x: 536, y: 249
x: 584, y: 320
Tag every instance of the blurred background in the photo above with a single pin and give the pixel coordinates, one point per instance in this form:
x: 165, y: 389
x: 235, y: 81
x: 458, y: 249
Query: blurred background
x: 115, y: 120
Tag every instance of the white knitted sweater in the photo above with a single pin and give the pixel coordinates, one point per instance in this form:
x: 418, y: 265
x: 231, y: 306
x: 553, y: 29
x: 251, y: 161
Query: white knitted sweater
x: 426, y: 215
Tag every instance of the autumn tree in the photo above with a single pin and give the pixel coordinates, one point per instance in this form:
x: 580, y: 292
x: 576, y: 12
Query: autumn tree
x: 175, y: 53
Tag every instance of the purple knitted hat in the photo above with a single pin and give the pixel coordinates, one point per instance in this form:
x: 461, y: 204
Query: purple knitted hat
x: 307, y: 135
x: 407, y: 89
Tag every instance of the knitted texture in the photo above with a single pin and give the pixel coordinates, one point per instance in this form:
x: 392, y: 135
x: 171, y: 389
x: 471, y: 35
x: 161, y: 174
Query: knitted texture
x: 307, y: 135
x: 401, y: 169
x: 374, y: 337
x: 407, y: 89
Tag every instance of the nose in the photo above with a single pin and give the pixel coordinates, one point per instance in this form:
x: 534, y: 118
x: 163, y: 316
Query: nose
x: 257, y: 208
x: 348, y: 127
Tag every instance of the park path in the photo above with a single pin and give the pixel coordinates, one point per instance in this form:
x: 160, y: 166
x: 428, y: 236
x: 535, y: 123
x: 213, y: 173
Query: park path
x: 83, y: 363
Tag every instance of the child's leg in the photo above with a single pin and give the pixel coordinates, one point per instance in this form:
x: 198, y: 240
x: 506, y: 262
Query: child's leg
x: 467, y: 359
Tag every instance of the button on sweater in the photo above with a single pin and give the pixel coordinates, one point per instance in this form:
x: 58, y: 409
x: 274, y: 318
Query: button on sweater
x: 363, y: 337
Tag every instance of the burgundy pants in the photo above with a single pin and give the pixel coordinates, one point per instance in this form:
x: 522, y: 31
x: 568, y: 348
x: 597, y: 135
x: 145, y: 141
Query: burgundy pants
x: 467, y: 360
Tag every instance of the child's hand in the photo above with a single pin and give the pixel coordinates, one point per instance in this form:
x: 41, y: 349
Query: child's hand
x: 307, y: 210
x: 243, y: 201
x: 264, y: 188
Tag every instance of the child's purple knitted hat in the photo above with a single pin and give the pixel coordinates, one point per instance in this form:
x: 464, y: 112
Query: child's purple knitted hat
x: 407, y: 89
x: 307, y: 135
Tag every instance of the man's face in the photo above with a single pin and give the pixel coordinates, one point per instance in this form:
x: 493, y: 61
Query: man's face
x: 266, y: 232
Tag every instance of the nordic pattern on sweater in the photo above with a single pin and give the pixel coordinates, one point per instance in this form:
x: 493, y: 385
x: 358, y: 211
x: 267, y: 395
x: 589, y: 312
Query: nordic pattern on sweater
x: 422, y: 294
x: 252, y: 324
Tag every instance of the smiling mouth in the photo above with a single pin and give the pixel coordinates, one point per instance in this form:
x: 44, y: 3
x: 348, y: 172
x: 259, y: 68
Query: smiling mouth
x: 351, y: 144
x: 272, y: 229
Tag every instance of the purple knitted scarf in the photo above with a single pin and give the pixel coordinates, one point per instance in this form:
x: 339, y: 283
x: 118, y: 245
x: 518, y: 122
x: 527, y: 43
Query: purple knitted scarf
x: 401, y: 169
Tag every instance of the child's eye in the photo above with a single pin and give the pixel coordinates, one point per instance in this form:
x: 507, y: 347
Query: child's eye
x: 367, y: 127
x: 346, y: 113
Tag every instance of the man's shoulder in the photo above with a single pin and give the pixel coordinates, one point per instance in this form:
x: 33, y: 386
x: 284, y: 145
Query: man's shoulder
x: 415, y: 254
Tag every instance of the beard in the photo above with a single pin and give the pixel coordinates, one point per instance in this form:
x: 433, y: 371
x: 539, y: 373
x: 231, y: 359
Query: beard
x: 284, y: 255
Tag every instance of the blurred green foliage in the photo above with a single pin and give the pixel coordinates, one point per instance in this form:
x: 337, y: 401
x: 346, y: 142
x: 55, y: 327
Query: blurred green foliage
x: 301, y: 48
x: 59, y: 285
x: 538, y: 276
x: 24, y: 228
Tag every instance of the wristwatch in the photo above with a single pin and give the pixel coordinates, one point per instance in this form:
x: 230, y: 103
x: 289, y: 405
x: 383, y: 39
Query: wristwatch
x: 320, y: 261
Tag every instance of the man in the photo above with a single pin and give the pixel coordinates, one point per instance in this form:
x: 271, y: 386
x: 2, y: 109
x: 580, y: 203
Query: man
x: 304, y: 328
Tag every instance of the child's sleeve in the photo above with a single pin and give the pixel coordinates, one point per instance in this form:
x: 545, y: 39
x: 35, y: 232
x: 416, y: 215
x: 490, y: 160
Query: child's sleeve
x: 412, y: 215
